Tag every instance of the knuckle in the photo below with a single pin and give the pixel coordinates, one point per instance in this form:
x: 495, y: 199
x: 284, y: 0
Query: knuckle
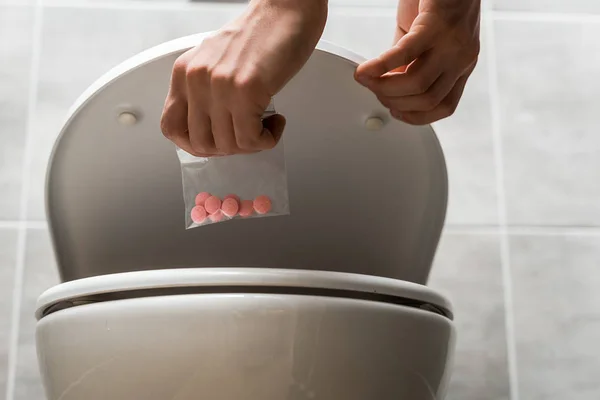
x: 385, y: 101
x: 270, y: 144
x: 470, y: 52
x: 246, y: 83
x: 222, y: 77
x: 449, y: 108
x: 475, y: 49
x: 430, y: 101
x: 164, y: 127
x: 197, y: 72
x: 180, y: 65
x: 421, y: 84
x: 199, y: 148
x: 227, y: 148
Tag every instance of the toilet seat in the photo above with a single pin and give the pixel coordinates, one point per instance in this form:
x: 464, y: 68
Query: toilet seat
x: 240, y: 280
x: 244, y: 333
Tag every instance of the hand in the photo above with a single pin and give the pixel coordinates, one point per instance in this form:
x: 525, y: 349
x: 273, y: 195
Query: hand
x: 422, y: 78
x: 220, y: 89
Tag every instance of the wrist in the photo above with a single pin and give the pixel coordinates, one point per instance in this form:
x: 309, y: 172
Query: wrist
x: 306, y: 17
x: 312, y: 9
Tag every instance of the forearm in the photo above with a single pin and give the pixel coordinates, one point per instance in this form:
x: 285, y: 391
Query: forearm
x: 311, y: 13
x: 307, y: 7
x: 453, y: 10
x: 406, y: 14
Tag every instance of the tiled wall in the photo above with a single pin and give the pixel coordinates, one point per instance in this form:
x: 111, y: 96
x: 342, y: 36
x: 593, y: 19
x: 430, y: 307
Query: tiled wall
x: 520, y: 257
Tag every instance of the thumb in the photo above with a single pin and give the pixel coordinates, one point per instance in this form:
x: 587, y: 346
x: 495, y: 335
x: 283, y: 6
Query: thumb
x: 410, y: 47
x: 273, y: 128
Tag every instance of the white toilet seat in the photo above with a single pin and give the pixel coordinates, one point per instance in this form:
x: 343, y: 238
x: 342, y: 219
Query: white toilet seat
x: 258, y: 334
x: 240, y: 280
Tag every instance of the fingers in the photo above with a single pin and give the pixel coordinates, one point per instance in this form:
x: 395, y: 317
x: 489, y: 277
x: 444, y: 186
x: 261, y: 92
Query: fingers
x: 418, y: 78
x: 200, y: 129
x: 445, y: 109
x: 423, y: 102
x: 274, y: 127
x: 210, y: 113
x: 173, y: 122
x: 409, y: 48
x: 253, y: 134
x: 222, y: 132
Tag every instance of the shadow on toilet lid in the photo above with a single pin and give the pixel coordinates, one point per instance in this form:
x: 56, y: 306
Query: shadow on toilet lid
x: 361, y: 201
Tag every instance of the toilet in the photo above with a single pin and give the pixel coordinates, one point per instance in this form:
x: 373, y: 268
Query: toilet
x: 329, y: 302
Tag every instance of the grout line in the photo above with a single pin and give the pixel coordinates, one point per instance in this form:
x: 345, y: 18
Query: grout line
x: 23, y: 225
x: 142, y: 5
x: 358, y: 8
x: 449, y: 229
x: 19, y: 224
x: 494, y: 94
x: 14, y: 3
x: 470, y: 230
x: 553, y: 231
x: 10, y: 224
x: 522, y: 230
x: 533, y: 16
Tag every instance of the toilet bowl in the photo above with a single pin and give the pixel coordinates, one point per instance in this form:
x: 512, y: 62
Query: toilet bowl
x: 318, y: 304
x: 243, y: 334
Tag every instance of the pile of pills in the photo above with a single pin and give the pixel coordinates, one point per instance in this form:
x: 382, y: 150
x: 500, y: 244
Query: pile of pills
x: 215, y: 209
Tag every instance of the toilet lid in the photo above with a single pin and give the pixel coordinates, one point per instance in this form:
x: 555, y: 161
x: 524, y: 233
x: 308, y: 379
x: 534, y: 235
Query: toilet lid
x: 243, y: 281
x: 114, y: 192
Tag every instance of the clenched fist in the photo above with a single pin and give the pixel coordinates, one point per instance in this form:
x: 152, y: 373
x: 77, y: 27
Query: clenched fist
x: 221, y: 88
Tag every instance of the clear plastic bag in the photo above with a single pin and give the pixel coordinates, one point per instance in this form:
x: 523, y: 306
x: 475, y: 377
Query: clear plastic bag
x: 257, y: 182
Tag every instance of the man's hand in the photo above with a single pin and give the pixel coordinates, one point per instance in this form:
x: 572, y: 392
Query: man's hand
x: 422, y: 78
x: 220, y: 89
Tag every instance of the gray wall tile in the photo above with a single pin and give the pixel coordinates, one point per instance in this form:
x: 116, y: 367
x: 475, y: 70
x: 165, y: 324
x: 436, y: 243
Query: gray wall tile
x: 78, y: 48
x: 16, y: 2
x: 557, y: 6
x: 15, y: 53
x: 557, y: 316
x: 549, y: 79
x: 40, y: 274
x: 467, y: 141
x: 360, y: 3
x: 8, y: 259
x: 467, y: 269
x: 367, y: 32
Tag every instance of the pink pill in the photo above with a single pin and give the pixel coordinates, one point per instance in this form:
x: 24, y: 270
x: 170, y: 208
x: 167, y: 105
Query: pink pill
x: 246, y: 208
x: 216, y: 217
x: 201, y: 198
x: 230, y: 207
x: 262, y: 204
x: 233, y: 196
x: 198, y: 214
x: 212, y: 204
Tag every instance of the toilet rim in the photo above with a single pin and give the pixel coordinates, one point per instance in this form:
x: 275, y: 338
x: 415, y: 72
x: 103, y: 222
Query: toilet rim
x: 240, y: 280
